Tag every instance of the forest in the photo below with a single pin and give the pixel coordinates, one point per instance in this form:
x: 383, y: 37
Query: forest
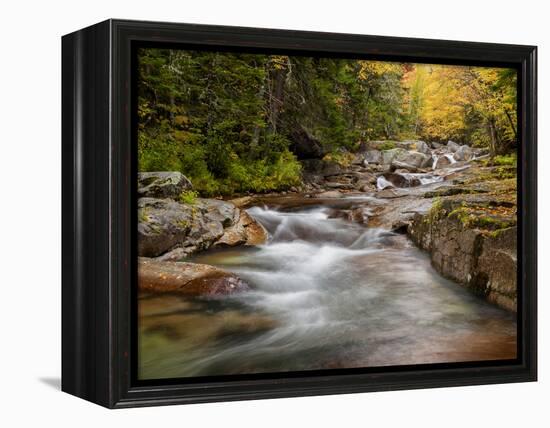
x: 235, y: 122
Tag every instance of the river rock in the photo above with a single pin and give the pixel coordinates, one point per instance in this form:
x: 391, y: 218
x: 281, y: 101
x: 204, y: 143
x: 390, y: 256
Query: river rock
x: 330, y: 194
x: 174, y: 230
x: 452, y: 146
x: 162, y: 224
x: 412, y: 158
x: 191, y: 279
x: 464, y: 153
x: 436, y: 145
x: 359, y: 215
x: 389, y: 155
x: 336, y: 185
x: 442, y: 161
x: 397, y: 165
x: 332, y: 168
x: 359, y: 159
x: 215, y: 210
x: 162, y: 184
x: 246, y: 231
x: 422, y: 147
x: 373, y: 157
x: 401, y: 180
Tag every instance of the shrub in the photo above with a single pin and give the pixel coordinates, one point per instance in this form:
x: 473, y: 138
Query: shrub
x: 188, y: 197
x: 387, y: 145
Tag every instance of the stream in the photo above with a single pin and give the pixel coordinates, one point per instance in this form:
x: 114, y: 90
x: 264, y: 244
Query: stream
x: 326, y: 293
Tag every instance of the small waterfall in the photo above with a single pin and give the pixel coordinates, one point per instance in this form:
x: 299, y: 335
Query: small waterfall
x: 382, y: 183
x: 435, y: 159
x: 313, y: 226
x: 426, y: 178
x: 451, y: 157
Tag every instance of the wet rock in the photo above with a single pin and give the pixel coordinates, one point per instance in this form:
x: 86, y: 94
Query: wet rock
x: 482, y: 260
x: 389, y: 193
x: 173, y: 230
x: 442, y: 161
x: 176, y: 254
x: 162, y: 184
x: 464, y: 153
x: 360, y: 215
x: 366, y: 182
x: 191, y: 279
x: 218, y: 211
x: 247, y: 231
x: 343, y: 186
x: 496, y: 269
x: 242, y: 202
x: 401, y: 180
x: 452, y: 146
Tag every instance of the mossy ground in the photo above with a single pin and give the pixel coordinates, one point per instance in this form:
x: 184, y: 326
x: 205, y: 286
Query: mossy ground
x: 486, y: 199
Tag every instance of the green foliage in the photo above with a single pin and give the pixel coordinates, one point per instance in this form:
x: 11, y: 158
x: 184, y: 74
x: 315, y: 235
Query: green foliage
x: 472, y: 105
x: 188, y: 197
x: 506, y: 160
x: 230, y: 121
x: 387, y: 145
x: 343, y: 158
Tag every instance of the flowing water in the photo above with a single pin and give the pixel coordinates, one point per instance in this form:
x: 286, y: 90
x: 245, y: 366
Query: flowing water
x: 326, y: 293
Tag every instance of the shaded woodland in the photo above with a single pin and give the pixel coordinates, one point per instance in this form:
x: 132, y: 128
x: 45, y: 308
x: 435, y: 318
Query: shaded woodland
x: 236, y: 123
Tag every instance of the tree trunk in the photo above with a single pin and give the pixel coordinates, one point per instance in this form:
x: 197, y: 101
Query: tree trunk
x: 493, y: 136
x: 512, y: 125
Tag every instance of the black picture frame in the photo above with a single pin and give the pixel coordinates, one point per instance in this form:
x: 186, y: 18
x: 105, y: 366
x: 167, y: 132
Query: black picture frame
x: 98, y: 213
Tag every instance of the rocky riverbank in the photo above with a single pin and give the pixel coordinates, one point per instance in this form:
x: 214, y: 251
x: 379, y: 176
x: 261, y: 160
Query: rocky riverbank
x: 448, y: 200
x: 174, y: 224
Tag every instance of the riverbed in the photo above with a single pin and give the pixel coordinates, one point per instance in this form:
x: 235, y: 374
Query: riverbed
x: 326, y: 293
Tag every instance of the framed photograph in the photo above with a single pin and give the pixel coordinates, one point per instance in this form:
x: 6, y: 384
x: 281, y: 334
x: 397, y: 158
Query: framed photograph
x: 253, y: 213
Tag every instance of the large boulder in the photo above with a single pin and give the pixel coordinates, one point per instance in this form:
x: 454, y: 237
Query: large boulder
x: 389, y: 155
x: 452, y: 146
x: 162, y: 224
x: 464, y: 153
x: 422, y: 147
x: 162, y: 184
x: 172, y: 230
x: 192, y: 279
x: 401, y: 180
x: 412, y: 158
